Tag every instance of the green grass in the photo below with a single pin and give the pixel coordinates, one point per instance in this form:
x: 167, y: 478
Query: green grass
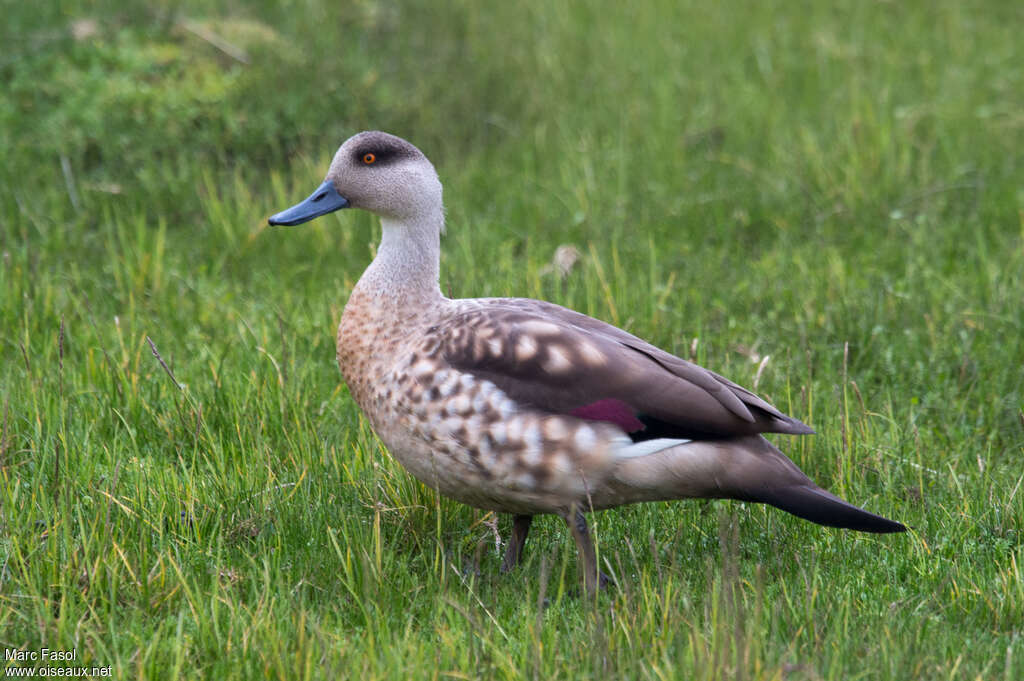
x: 840, y: 188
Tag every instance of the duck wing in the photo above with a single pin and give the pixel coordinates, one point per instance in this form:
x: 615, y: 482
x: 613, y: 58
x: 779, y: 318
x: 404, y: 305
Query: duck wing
x: 555, y: 359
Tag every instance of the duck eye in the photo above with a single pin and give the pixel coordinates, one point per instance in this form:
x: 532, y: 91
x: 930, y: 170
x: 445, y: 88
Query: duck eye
x: 369, y: 158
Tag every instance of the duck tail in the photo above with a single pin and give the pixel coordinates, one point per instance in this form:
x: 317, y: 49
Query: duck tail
x: 748, y: 468
x: 811, y: 502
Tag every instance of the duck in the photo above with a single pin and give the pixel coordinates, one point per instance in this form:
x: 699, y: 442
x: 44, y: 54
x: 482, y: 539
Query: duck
x: 525, y: 407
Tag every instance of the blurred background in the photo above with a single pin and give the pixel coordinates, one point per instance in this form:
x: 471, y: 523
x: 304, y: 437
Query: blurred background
x: 820, y: 174
x: 824, y: 200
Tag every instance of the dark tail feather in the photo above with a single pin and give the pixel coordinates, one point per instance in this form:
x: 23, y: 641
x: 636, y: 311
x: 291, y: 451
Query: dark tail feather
x: 815, y: 504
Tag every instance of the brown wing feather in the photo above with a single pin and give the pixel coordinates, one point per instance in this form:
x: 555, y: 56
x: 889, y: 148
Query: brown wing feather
x: 719, y: 386
x: 556, y: 359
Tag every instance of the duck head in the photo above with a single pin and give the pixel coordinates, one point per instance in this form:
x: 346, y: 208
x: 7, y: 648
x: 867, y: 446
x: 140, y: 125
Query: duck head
x: 377, y: 172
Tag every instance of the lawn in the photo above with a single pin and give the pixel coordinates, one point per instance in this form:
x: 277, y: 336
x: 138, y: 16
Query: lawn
x: 825, y: 200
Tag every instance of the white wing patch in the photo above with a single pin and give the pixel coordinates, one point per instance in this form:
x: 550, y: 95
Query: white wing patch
x: 647, y: 447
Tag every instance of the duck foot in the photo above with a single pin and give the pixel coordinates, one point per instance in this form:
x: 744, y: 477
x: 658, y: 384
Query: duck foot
x: 604, y: 582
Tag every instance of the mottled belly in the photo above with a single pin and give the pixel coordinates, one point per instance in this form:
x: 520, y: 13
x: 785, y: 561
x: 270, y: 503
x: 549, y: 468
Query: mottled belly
x: 464, y: 437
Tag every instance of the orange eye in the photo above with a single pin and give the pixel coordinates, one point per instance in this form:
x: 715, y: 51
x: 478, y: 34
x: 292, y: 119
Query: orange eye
x: 369, y: 158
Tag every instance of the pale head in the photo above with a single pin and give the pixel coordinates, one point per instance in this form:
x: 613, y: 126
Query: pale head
x: 377, y: 172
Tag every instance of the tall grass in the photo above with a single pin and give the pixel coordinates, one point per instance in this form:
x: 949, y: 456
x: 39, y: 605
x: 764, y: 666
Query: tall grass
x: 824, y: 200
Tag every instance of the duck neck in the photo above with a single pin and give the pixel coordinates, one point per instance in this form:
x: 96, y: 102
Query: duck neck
x: 406, y: 269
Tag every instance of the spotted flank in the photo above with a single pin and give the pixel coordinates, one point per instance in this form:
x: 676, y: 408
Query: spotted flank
x: 486, y: 437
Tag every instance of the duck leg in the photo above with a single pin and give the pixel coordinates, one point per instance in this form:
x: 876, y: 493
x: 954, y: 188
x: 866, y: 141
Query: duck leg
x: 520, y: 528
x: 592, y: 577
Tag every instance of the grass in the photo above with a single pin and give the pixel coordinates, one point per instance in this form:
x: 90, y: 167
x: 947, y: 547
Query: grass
x: 188, y: 492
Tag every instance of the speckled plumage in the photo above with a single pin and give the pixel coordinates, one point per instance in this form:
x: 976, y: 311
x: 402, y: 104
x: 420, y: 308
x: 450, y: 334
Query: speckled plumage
x: 459, y: 432
x: 525, y: 407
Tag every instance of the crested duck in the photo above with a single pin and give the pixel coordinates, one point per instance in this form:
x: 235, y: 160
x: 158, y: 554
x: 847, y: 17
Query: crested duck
x: 525, y: 407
